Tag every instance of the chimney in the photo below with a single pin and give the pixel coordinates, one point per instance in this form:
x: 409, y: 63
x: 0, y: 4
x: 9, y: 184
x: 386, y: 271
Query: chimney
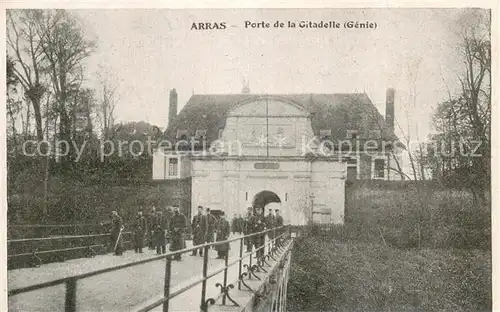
x: 172, y: 108
x: 389, y: 108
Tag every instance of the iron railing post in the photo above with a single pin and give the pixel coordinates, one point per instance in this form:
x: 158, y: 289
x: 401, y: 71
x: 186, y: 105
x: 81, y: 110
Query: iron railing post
x: 250, y: 262
x: 275, y: 239
x: 70, y: 301
x: 240, y: 264
x: 203, y: 304
x: 226, y: 261
x: 166, y: 287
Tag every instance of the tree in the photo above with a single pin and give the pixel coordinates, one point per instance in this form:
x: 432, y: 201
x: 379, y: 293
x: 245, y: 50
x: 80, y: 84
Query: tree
x: 464, y: 120
x: 13, y: 105
x: 65, y: 48
x: 105, y: 110
x: 28, y: 58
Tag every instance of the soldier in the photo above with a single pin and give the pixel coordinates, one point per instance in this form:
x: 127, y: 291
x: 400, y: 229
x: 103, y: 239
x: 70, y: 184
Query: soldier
x: 241, y: 223
x: 177, y: 227
x: 151, y: 227
x: 223, y: 232
x: 279, y: 223
x: 199, y: 228
x: 259, y: 223
x: 159, y: 240
x: 234, y: 224
x: 168, y: 216
x: 140, y: 225
x: 270, y: 221
x: 211, y: 226
x: 248, y: 228
x: 116, y: 234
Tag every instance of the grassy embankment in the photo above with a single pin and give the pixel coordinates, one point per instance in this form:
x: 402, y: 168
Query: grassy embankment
x: 435, y: 255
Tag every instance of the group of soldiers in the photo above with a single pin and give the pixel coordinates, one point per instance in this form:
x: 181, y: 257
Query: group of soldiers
x: 162, y: 227
x: 204, y: 228
x: 156, y: 228
x: 255, y: 222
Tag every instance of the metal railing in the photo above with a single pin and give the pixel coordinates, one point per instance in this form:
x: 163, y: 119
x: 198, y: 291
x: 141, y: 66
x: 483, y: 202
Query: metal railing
x: 16, y: 231
x: 19, y: 246
x: 280, y: 238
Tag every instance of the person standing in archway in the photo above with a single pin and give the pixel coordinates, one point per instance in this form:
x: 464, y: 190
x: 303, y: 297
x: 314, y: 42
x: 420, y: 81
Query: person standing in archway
x: 259, y: 226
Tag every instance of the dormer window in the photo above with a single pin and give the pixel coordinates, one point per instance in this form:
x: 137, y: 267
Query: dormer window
x: 182, y: 134
x: 325, y: 134
x: 352, y: 134
x: 200, y: 134
x: 374, y: 134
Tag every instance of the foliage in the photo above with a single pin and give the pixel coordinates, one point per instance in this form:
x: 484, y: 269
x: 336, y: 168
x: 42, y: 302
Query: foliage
x: 369, y: 277
x: 75, y: 197
x: 461, y: 150
x: 411, y: 215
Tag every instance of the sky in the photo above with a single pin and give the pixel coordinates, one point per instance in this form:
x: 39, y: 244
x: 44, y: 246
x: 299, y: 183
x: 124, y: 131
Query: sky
x: 148, y: 52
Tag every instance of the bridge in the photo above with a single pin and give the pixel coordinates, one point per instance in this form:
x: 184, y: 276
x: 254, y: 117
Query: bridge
x: 149, y: 282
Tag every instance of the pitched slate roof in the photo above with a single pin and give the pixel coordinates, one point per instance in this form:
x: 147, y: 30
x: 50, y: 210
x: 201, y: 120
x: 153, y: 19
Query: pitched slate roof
x: 335, y: 112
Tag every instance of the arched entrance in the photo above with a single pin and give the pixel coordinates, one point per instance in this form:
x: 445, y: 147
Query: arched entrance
x: 262, y: 198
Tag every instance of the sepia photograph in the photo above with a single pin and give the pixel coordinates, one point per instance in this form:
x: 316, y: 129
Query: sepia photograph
x: 249, y: 159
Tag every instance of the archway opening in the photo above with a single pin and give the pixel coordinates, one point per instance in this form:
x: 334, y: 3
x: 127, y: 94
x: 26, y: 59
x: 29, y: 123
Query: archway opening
x: 263, y: 198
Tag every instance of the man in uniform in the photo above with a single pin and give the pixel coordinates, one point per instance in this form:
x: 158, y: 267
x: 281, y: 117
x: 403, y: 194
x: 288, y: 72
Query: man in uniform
x: 270, y: 220
x: 259, y: 226
x: 177, y: 227
x: 241, y: 224
x: 116, y: 234
x: 223, y: 232
x: 248, y: 228
x: 199, y: 228
x: 159, y: 233
x: 168, y: 216
x: 234, y: 224
x: 151, y: 227
x: 211, y: 226
x: 279, y: 223
x: 140, y: 225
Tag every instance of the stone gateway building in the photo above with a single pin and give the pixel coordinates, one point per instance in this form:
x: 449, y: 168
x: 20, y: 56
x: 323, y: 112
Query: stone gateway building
x: 293, y: 150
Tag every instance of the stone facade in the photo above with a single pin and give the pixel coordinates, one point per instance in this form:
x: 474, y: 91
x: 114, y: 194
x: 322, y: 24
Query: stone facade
x: 265, y: 143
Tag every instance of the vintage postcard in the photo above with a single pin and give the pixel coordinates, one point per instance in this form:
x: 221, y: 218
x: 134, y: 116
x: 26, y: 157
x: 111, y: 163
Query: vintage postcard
x: 210, y: 157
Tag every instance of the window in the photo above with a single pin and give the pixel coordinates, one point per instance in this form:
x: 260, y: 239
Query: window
x: 374, y: 134
x: 221, y: 131
x: 200, y: 134
x: 379, y: 168
x: 352, y: 161
x: 352, y: 173
x: 172, y: 166
x: 352, y: 134
x: 182, y: 134
x: 325, y: 134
